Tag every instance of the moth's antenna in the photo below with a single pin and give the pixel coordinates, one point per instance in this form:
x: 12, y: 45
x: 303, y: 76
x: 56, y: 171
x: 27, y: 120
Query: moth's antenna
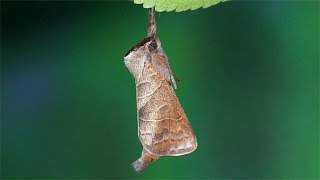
x: 151, y: 22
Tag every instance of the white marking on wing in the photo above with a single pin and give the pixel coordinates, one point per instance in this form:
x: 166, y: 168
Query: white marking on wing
x: 155, y: 120
x: 151, y: 93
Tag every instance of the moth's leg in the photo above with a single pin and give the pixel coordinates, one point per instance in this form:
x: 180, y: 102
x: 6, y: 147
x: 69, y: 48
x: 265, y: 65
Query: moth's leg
x: 176, y: 78
x: 145, y: 159
x: 173, y: 82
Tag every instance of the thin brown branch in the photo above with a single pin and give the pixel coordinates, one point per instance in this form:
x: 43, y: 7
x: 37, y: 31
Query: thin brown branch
x: 151, y: 23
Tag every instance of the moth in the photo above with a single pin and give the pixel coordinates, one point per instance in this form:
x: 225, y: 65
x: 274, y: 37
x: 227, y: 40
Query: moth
x: 163, y: 127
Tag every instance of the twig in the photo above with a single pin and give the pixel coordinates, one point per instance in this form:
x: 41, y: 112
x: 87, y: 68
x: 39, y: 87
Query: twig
x: 151, y: 23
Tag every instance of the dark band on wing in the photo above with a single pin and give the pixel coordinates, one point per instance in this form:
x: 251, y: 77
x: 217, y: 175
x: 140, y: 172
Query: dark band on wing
x: 153, y: 44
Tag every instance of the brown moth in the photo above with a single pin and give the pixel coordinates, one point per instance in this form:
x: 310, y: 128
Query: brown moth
x: 163, y: 127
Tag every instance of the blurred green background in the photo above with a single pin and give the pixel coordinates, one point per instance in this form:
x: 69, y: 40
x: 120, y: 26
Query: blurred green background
x: 250, y: 87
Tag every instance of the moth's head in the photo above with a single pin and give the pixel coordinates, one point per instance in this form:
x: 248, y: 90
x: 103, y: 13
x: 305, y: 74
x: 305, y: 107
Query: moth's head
x: 154, y: 44
x: 138, y: 54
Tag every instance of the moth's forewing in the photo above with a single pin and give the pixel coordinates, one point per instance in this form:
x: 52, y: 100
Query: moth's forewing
x: 164, y: 128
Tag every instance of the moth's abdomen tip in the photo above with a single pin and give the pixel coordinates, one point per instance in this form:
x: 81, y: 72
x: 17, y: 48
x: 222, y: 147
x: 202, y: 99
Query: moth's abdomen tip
x: 137, y: 166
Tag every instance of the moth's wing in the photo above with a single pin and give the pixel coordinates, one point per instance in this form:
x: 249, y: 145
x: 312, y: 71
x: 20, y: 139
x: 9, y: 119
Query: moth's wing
x: 161, y: 65
x: 164, y: 128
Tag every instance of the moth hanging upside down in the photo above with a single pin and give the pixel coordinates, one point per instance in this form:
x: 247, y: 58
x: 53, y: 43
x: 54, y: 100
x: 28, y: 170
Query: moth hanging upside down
x: 163, y: 127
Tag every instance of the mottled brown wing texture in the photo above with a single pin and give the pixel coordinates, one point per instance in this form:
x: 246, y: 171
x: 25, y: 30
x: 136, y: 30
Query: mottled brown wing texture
x: 163, y: 126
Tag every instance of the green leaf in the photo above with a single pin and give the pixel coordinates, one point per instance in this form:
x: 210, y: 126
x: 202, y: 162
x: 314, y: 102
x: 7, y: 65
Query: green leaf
x: 178, y: 5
